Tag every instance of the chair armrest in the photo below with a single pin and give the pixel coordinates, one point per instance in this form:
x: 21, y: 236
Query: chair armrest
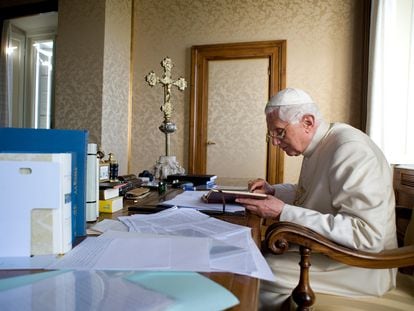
x: 280, y: 234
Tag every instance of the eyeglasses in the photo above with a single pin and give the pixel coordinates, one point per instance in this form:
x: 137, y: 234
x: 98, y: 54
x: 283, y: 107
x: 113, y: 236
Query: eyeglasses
x: 279, y: 133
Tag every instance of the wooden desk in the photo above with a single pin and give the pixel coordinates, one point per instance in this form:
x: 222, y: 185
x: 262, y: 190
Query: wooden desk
x: 245, y: 288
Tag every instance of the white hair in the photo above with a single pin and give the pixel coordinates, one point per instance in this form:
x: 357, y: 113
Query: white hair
x: 294, y: 113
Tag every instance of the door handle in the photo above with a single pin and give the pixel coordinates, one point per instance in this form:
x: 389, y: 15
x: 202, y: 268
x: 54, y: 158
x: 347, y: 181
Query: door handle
x: 210, y: 142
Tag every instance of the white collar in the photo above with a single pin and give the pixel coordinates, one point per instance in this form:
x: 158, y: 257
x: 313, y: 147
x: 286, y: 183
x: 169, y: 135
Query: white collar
x: 320, y: 133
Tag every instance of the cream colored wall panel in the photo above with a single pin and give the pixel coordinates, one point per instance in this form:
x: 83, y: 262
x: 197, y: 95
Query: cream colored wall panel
x: 237, y: 94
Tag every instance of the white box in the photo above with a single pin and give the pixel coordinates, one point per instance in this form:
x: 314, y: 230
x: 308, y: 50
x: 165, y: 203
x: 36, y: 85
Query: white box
x: 35, y: 203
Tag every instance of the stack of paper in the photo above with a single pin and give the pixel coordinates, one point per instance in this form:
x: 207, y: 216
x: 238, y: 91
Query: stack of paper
x: 175, y: 239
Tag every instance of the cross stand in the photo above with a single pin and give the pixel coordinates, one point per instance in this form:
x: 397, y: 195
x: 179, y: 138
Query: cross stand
x: 166, y: 165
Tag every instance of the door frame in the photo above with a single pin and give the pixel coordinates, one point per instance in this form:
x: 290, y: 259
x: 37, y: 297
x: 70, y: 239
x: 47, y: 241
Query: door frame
x: 275, y: 51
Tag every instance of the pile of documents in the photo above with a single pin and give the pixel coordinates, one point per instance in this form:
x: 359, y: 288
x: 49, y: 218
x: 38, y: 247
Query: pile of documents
x: 176, y: 239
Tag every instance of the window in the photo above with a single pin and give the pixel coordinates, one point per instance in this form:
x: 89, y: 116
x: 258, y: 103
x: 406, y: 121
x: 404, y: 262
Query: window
x: 42, y: 82
x: 29, y: 43
x: 391, y: 79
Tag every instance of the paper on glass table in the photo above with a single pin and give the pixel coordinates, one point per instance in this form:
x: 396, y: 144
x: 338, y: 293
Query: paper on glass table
x: 106, y: 290
x: 81, y: 290
x: 192, y: 291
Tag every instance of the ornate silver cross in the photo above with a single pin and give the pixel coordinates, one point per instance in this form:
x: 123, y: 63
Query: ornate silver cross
x: 166, y: 81
x: 167, y: 164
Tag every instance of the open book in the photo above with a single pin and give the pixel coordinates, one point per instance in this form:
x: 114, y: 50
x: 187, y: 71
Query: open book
x: 217, y: 196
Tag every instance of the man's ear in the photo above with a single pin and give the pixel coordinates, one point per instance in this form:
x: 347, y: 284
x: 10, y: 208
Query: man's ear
x: 308, y: 121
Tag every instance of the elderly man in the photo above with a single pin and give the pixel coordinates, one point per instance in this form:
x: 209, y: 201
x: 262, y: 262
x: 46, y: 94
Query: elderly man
x: 344, y: 192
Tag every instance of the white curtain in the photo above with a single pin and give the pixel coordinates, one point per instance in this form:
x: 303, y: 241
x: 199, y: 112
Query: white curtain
x: 5, y: 74
x: 390, y: 117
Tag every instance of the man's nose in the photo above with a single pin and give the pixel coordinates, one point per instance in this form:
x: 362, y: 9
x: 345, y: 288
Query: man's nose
x: 276, y: 141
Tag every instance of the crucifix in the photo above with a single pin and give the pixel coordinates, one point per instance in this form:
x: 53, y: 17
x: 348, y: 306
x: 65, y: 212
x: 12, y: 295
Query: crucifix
x: 167, y: 165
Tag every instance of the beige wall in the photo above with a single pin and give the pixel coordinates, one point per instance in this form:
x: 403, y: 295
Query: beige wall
x: 93, y: 72
x: 93, y: 63
x: 78, y: 92
x: 323, y: 57
x: 116, y: 81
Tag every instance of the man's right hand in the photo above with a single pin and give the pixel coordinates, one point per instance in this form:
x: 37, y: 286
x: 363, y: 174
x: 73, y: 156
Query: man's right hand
x: 271, y: 207
x: 260, y: 185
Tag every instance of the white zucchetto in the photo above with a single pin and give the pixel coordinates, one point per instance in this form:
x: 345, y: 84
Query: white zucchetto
x: 290, y: 96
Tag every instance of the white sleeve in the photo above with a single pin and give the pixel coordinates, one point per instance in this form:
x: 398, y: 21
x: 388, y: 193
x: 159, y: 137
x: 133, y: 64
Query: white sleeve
x: 285, y: 192
x: 361, y: 200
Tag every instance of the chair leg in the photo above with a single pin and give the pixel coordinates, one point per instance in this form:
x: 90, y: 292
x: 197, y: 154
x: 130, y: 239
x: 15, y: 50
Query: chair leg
x: 303, y: 294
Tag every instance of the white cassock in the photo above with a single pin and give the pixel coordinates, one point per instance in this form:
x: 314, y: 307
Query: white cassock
x: 345, y: 193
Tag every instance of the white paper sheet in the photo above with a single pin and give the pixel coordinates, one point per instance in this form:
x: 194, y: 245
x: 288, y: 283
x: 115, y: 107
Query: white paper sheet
x: 105, y: 225
x: 35, y: 262
x: 133, y: 251
x: 192, y: 199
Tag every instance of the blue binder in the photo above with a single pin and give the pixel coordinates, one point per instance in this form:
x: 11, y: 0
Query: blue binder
x: 50, y: 141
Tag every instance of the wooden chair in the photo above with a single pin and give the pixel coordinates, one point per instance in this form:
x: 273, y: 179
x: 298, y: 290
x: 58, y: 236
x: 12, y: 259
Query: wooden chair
x: 280, y: 234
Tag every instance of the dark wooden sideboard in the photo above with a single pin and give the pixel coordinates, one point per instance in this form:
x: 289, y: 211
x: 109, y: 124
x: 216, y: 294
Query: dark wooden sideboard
x: 404, y: 195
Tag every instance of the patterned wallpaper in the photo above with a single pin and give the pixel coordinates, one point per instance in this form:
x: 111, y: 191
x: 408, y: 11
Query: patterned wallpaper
x: 323, y: 57
x: 93, y: 72
x: 93, y: 46
x: 237, y: 94
x: 116, y: 80
x: 80, y: 45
